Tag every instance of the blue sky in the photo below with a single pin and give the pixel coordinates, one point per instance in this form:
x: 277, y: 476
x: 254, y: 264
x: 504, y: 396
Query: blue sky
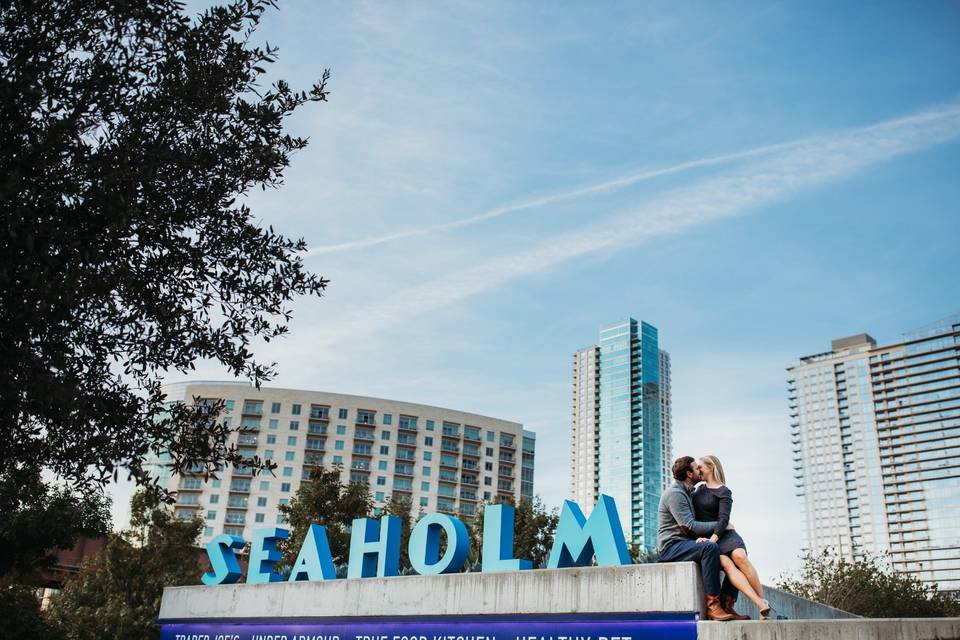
x: 491, y: 182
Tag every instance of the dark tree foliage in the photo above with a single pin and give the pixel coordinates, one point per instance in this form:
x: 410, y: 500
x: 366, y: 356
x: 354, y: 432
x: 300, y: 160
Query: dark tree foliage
x: 40, y: 518
x: 117, y: 593
x: 533, y: 529
x: 866, y: 587
x: 326, y: 501
x: 129, y: 134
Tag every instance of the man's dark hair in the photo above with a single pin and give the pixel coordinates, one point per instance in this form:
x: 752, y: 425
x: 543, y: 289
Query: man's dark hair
x: 681, y: 466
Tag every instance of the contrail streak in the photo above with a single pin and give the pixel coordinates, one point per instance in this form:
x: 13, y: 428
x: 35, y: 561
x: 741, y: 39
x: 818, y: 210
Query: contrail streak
x: 560, y: 196
x: 763, y: 182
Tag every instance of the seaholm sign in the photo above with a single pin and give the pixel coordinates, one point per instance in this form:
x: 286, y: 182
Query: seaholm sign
x: 375, y: 547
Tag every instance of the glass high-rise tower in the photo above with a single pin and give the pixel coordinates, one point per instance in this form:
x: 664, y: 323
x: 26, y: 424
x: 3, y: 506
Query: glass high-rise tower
x: 621, y: 425
x: 876, y: 438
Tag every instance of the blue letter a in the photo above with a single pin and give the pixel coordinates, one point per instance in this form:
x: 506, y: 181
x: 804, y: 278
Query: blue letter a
x: 578, y: 539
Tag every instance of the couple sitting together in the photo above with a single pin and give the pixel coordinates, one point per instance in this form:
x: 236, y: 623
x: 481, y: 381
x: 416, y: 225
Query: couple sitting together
x: 695, y: 526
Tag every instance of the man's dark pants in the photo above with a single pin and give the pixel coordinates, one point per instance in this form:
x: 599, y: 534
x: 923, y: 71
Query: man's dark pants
x: 708, y: 555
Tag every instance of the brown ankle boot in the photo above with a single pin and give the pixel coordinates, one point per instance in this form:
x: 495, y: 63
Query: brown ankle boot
x: 727, y: 603
x: 715, y: 611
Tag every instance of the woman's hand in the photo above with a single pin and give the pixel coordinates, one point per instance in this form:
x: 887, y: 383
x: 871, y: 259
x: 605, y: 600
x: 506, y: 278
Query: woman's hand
x: 714, y: 538
x: 699, y: 540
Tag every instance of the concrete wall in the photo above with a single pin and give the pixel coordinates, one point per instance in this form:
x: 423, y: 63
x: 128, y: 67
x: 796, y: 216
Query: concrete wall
x: 787, y: 606
x: 859, y: 629
x: 672, y: 587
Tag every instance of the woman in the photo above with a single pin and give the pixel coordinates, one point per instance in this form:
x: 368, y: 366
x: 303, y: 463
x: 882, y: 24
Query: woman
x: 712, y: 500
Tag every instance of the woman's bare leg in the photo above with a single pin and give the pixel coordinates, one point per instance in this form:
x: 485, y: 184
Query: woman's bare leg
x: 747, y: 569
x: 740, y: 581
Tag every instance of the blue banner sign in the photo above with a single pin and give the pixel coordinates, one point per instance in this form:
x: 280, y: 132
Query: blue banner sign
x: 663, y: 626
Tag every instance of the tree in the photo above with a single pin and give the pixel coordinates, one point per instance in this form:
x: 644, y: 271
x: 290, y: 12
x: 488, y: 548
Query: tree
x: 40, y: 518
x: 866, y: 587
x: 533, y: 530
x: 326, y: 501
x: 117, y: 592
x: 401, y: 507
x: 129, y: 136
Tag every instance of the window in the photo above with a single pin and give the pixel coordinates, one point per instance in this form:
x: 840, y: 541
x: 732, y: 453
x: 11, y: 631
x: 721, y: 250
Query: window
x: 489, y: 451
x: 342, y: 414
x: 341, y: 429
x: 381, y: 481
x: 295, y: 409
x: 291, y: 441
x: 387, y: 418
x: 262, y: 501
x: 488, y: 466
x: 382, y: 465
x: 424, y: 486
x: 271, y: 439
x: 486, y: 495
x: 426, y: 471
x: 226, y: 422
x: 214, y: 499
x: 424, y: 502
x: 428, y: 455
x: 215, y: 483
x: 285, y: 487
x: 366, y: 417
x: 281, y: 519
x: 273, y: 424
x: 258, y: 517
x: 338, y: 445
x: 230, y: 405
x: 428, y: 441
x: 384, y: 435
x: 264, y: 485
x: 429, y: 425
x: 378, y: 496
x: 288, y: 472
x: 294, y: 425
x: 274, y: 408
x: 289, y: 456
x: 268, y: 454
x: 408, y: 422
x: 384, y: 450
x: 211, y: 515
x: 253, y: 407
x: 283, y: 501
x: 208, y: 531
x: 489, y: 436
x: 337, y: 459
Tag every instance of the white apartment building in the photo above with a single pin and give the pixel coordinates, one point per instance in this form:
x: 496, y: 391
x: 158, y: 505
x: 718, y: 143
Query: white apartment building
x: 440, y: 459
x: 876, y: 438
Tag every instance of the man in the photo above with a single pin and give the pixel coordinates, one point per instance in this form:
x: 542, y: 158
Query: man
x: 677, y: 525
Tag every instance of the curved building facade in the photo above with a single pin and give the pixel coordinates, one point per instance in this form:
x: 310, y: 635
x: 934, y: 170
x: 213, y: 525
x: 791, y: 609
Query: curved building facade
x: 440, y: 459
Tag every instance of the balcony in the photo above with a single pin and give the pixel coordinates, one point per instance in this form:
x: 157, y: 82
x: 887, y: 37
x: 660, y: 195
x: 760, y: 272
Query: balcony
x: 446, y: 476
x: 406, y: 440
x: 448, y: 461
x: 507, y: 457
x: 471, y: 450
x: 242, y: 472
x: 508, y: 443
x: 366, y: 418
x: 471, y: 435
x: 505, y: 473
x: 252, y: 410
x: 468, y: 495
x: 312, y: 461
x: 320, y: 413
x: 449, y: 446
x: 470, y: 480
x: 407, y: 423
x: 315, y: 444
x: 446, y: 507
x: 245, y: 440
x: 364, y: 434
x: 360, y: 465
x: 470, y: 465
x: 240, y: 487
x: 403, y: 470
x: 404, y: 454
x: 361, y: 450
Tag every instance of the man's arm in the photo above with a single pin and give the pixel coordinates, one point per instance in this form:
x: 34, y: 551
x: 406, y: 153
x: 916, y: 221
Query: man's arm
x: 682, y: 512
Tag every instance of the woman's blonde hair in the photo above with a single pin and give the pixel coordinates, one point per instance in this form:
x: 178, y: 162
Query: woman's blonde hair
x: 714, y: 463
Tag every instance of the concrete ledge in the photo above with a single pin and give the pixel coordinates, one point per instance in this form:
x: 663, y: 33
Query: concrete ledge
x: 857, y: 629
x: 644, y: 588
x: 787, y: 606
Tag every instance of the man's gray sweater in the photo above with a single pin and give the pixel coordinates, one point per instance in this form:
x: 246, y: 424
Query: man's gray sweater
x: 677, y: 522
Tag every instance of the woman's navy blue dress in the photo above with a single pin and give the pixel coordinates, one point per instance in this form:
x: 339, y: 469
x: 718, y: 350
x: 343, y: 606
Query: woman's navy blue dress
x: 716, y: 504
